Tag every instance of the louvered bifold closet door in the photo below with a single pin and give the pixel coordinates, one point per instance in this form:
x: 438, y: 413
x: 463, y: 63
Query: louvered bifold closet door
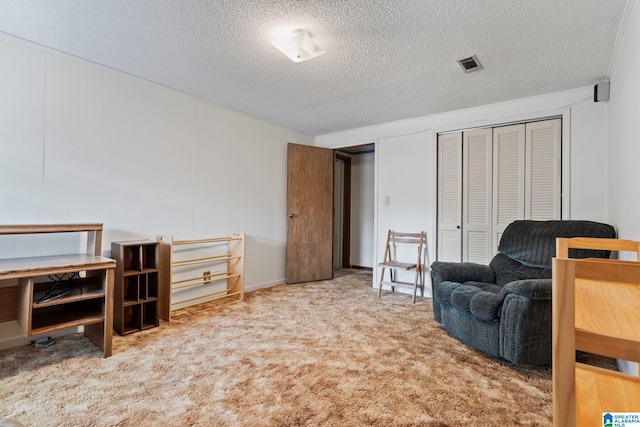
x: 508, y: 178
x: 449, y: 197
x: 476, y: 196
x: 543, y: 180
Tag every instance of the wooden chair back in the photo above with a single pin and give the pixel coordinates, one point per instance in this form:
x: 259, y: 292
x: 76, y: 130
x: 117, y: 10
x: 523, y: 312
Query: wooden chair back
x: 396, y: 237
x: 564, y: 244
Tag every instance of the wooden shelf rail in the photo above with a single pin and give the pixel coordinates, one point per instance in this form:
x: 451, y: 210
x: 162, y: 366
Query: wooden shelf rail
x: 205, y: 286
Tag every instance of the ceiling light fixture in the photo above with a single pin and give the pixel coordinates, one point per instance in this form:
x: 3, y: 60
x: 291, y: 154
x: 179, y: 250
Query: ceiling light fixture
x: 298, y: 46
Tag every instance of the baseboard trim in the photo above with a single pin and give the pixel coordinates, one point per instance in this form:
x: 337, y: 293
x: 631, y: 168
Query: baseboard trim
x: 264, y: 285
x: 359, y: 267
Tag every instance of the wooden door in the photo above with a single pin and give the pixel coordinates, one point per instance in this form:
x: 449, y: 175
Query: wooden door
x: 310, y: 213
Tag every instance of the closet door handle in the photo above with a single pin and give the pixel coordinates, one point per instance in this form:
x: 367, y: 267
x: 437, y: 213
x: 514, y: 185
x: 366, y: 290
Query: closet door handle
x: 458, y: 227
x: 291, y: 214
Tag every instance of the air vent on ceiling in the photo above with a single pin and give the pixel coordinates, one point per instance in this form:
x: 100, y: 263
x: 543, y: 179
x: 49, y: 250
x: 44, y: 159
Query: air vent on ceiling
x: 470, y: 64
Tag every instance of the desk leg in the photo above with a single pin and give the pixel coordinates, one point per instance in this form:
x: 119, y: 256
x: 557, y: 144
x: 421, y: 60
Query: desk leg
x: 101, y: 334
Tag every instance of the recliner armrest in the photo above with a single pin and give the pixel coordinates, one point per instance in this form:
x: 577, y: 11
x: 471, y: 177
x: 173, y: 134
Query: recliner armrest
x: 535, y: 289
x: 461, y: 272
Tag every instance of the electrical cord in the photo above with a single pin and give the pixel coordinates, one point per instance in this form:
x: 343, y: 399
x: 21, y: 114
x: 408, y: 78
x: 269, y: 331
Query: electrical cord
x: 62, y: 285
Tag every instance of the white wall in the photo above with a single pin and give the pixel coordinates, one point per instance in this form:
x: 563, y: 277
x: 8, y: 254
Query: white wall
x: 362, y: 206
x: 83, y: 143
x: 406, y: 157
x: 623, y: 154
x: 623, y: 137
x: 406, y: 193
x: 587, y: 184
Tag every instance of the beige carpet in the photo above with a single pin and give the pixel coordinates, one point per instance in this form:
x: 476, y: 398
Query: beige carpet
x: 319, y: 354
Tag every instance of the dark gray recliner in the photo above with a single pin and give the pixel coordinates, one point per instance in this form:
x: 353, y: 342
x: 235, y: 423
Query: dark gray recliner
x: 504, y: 309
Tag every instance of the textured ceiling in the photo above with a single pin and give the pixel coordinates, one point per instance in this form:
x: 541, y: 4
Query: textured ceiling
x: 385, y: 59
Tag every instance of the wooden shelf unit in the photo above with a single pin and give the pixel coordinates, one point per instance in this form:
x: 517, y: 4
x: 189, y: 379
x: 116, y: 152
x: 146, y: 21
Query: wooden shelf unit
x: 136, y: 286
x: 87, y: 300
x: 171, y: 263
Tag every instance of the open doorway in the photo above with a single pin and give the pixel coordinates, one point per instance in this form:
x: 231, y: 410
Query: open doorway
x: 354, y: 207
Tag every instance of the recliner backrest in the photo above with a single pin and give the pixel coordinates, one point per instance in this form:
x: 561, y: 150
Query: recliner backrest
x: 533, y: 243
x: 527, y: 247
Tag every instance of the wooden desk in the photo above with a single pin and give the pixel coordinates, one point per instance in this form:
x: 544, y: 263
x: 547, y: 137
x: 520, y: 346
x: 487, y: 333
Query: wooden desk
x: 596, y: 308
x: 607, y: 322
x: 88, y: 303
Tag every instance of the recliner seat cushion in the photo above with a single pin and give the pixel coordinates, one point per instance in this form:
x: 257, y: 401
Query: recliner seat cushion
x: 487, y: 306
x: 442, y: 292
x: 481, y: 300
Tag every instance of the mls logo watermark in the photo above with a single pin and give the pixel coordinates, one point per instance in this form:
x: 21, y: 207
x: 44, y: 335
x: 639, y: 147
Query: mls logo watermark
x: 621, y: 419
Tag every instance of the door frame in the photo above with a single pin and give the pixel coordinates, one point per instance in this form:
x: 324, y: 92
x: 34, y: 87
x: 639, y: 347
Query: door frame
x: 346, y: 209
